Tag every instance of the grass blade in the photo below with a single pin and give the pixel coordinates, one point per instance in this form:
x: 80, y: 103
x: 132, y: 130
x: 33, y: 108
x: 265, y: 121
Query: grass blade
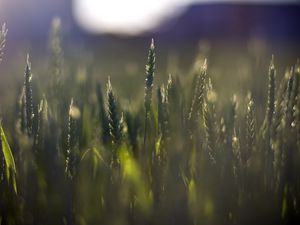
x: 9, y: 160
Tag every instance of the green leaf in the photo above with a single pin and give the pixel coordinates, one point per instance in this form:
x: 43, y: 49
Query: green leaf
x: 132, y: 174
x: 93, y: 156
x: 9, y: 161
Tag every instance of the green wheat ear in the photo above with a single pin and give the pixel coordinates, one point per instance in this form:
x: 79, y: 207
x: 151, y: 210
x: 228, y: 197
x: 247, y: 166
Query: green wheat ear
x: 295, y: 73
x: 289, y: 100
x: 173, y: 92
x: 3, y: 33
x: 103, y: 116
x: 271, y: 94
x: 42, y: 123
x: 114, y: 122
x: 55, y: 83
x: 56, y: 53
x: 72, y: 141
x: 297, y: 104
x: 210, y: 131
x: 210, y: 124
x: 150, y: 67
x: 22, y: 119
x: 199, y: 96
x: 163, y: 115
x: 115, y: 127
x: 266, y: 132
x: 28, y: 96
x: 175, y: 105
x: 250, y: 129
x: 171, y: 89
x: 280, y: 104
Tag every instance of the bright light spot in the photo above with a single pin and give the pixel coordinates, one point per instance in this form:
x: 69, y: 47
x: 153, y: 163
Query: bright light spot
x: 123, y: 16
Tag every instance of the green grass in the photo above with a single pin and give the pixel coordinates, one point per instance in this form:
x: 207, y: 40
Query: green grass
x: 183, y: 156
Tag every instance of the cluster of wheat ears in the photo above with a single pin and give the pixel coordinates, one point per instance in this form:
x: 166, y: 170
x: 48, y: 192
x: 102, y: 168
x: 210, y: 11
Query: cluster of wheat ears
x: 173, y: 160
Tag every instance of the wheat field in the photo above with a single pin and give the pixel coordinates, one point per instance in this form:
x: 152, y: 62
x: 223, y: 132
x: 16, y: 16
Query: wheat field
x: 179, y: 151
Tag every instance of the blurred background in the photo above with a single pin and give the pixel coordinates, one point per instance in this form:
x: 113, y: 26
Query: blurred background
x: 75, y: 45
x: 112, y: 37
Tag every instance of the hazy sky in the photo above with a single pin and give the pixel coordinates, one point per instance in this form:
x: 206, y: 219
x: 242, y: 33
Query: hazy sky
x: 136, y: 16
